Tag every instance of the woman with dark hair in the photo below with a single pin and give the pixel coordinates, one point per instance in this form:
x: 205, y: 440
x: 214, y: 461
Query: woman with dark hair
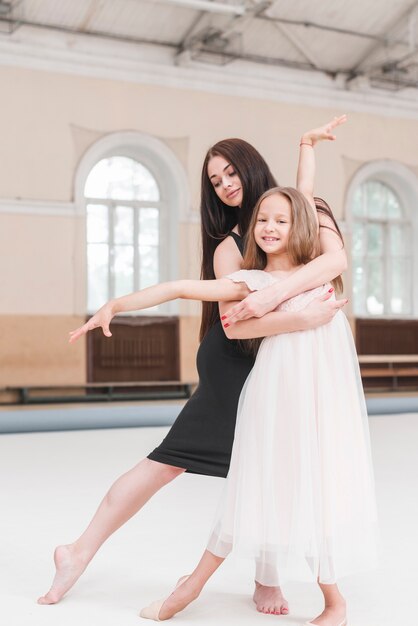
x: 234, y: 176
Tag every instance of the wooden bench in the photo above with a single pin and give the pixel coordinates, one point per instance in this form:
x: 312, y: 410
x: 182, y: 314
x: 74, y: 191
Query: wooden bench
x: 393, y: 367
x: 94, y: 392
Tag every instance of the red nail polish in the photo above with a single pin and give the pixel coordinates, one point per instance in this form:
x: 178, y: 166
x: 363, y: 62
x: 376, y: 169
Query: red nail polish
x: 330, y: 290
x: 223, y: 317
x: 226, y: 325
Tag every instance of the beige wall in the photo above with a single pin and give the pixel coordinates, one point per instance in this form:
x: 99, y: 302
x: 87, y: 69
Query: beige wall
x: 48, y: 120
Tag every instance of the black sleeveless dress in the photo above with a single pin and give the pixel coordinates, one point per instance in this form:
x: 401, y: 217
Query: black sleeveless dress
x: 201, y: 438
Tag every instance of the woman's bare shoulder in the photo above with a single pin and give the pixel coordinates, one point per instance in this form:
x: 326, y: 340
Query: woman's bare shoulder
x: 227, y: 258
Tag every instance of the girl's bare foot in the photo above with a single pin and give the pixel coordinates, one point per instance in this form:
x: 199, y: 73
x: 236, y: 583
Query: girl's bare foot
x: 334, y: 615
x: 185, y: 592
x: 69, y: 567
x: 270, y: 600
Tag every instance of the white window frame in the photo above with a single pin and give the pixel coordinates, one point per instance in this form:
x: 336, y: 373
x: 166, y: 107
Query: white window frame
x: 404, y: 183
x: 159, y: 159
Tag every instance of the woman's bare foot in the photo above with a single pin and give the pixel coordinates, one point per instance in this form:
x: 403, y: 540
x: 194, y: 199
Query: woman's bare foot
x: 69, y: 567
x: 334, y: 615
x: 270, y: 600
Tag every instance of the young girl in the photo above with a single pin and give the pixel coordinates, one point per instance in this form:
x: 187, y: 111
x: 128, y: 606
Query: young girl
x: 234, y: 175
x: 299, y: 493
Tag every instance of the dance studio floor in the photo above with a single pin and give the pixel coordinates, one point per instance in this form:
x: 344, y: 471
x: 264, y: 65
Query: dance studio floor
x: 51, y: 484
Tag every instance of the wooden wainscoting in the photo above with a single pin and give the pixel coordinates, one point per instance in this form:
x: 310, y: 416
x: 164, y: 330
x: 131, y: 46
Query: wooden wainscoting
x: 140, y: 349
x: 388, y: 354
x: 384, y: 336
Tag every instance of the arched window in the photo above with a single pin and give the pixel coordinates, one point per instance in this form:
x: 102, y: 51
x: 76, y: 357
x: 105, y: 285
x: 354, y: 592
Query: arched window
x: 382, y: 251
x: 132, y: 191
x: 123, y: 205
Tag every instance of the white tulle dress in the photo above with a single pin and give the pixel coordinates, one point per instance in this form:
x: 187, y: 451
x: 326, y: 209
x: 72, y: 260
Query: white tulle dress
x: 299, y: 496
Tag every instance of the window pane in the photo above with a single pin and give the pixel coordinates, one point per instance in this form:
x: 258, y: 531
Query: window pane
x: 148, y: 227
x: 400, y: 286
x: 375, y: 299
x: 124, y: 224
x: 148, y: 266
x: 97, y: 271
x: 375, y: 239
x: 376, y: 204
x: 97, y: 223
x: 359, y: 287
x: 399, y: 240
x: 123, y: 270
x: 394, y: 209
x: 145, y: 185
x: 97, y: 181
x: 359, y: 239
x: 358, y: 202
x: 121, y: 178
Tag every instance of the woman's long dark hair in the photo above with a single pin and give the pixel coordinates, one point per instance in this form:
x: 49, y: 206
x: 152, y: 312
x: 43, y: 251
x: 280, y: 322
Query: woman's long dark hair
x: 217, y: 218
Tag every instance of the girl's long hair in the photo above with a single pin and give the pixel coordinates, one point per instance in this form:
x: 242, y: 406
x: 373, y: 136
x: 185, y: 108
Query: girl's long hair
x: 217, y: 218
x: 303, y: 240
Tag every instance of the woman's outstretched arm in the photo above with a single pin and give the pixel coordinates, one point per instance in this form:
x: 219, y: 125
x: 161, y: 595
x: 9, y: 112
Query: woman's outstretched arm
x: 222, y: 289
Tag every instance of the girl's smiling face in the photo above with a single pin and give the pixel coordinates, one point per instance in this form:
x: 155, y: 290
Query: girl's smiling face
x: 225, y: 181
x: 273, y: 224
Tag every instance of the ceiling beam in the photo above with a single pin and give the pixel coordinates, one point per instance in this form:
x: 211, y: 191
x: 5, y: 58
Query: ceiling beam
x: 206, y: 5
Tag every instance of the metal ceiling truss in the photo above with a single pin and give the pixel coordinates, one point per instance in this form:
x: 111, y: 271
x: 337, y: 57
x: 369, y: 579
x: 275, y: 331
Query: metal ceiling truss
x: 11, y: 12
x: 394, y: 72
x: 223, y: 44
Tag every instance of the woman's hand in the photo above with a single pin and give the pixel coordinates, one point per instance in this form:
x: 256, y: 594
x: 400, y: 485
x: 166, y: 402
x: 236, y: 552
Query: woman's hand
x: 323, y: 132
x: 101, y: 319
x: 256, y: 304
x: 321, y: 310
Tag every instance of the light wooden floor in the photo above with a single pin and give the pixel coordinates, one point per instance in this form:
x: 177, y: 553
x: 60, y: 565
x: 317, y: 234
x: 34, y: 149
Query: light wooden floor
x: 52, y: 482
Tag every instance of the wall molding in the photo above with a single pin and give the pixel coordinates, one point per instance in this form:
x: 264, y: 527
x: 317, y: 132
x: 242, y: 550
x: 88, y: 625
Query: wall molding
x: 19, y: 206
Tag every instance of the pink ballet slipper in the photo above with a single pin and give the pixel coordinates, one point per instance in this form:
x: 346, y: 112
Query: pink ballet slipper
x: 152, y: 611
x: 343, y: 623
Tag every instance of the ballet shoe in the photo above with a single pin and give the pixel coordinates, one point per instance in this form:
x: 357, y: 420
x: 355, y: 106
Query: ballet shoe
x: 152, y: 611
x: 343, y: 623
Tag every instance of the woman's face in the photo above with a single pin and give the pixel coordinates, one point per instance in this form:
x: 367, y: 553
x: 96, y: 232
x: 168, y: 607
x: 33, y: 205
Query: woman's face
x: 225, y: 181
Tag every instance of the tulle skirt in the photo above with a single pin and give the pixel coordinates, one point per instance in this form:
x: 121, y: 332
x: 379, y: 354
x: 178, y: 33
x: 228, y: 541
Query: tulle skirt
x: 299, y: 497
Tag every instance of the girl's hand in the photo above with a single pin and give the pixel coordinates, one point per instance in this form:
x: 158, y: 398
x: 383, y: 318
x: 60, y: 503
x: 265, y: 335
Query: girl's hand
x: 323, y: 132
x: 101, y: 319
x: 321, y: 310
x: 256, y: 304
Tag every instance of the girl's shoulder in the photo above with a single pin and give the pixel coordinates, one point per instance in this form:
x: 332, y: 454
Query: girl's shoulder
x: 254, y: 279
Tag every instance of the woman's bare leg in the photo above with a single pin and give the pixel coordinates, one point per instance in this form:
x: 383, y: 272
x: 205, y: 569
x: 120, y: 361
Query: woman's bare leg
x: 334, y: 613
x: 125, y: 498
